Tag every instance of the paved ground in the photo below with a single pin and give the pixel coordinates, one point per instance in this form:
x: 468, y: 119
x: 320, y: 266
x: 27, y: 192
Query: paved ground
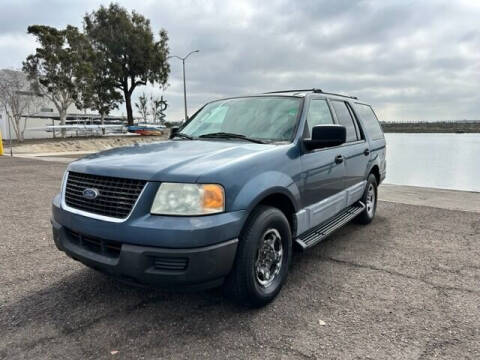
x: 439, y: 198
x: 405, y: 287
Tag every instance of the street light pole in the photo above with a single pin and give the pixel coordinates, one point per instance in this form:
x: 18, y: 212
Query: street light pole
x: 184, y: 82
x: 184, y: 91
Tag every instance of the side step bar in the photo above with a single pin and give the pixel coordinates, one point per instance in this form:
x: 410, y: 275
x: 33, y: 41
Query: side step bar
x: 314, y: 236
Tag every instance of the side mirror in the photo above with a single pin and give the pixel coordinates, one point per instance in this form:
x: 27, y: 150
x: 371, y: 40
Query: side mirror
x: 326, y: 136
x: 173, y: 131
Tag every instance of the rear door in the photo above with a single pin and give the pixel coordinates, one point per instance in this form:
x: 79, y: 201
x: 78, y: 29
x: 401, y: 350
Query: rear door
x: 356, y: 151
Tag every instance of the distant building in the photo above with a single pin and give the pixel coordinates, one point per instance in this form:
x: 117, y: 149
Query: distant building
x: 41, y: 105
x: 45, y: 114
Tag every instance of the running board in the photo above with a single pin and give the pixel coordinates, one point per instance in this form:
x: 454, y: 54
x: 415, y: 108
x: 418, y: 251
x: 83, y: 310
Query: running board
x: 320, y: 232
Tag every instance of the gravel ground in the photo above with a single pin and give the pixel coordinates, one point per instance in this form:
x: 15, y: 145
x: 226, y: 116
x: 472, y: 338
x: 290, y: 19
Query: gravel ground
x: 405, y: 287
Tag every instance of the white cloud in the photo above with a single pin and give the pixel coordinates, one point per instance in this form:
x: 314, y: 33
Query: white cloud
x: 14, y: 46
x: 412, y: 61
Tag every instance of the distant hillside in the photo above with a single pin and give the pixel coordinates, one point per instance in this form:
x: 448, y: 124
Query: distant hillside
x: 464, y: 126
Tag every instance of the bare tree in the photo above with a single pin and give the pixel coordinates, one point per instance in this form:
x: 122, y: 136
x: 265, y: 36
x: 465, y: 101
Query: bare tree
x: 142, y: 107
x: 17, y: 99
x: 157, y: 108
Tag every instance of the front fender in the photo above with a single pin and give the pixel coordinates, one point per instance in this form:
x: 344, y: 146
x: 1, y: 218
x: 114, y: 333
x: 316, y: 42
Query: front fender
x: 262, y: 185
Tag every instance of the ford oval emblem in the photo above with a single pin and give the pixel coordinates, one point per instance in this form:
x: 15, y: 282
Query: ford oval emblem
x: 90, y: 193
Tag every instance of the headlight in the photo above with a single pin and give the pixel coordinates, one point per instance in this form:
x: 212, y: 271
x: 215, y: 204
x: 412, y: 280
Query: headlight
x: 188, y: 199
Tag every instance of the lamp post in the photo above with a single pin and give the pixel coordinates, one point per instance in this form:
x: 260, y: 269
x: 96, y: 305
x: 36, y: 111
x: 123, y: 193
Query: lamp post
x: 184, y: 83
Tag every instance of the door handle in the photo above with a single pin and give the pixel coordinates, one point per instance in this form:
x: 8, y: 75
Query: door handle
x: 366, y: 152
x: 338, y: 159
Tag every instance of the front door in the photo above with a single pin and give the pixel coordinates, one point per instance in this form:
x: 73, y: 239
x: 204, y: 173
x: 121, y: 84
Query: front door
x: 322, y: 173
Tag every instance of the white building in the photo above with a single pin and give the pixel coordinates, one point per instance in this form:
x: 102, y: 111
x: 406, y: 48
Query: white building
x: 39, y: 113
x: 33, y: 123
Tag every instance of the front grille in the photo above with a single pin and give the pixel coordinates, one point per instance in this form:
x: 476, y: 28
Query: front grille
x: 166, y: 263
x: 99, y: 246
x: 116, y: 196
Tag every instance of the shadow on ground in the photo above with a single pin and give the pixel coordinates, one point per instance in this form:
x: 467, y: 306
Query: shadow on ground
x: 115, y: 314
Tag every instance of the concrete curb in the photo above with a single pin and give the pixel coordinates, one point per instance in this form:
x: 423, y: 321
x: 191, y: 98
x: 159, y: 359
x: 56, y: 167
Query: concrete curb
x: 437, y: 198
x: 59, y: 154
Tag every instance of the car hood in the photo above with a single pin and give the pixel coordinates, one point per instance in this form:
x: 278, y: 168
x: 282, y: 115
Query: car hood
x: 172, y: 160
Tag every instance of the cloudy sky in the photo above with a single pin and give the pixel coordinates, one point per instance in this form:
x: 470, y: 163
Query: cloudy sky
x: 413, y: 60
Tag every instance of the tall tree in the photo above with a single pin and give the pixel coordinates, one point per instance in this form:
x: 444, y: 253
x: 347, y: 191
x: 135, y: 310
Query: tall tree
x: 17, y: 100
x: 96, y: 88
x: 53, y: 66
x: 126, y: 40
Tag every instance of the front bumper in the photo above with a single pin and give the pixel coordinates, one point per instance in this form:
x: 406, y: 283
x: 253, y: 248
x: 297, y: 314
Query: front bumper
x: 192, y: 268
x: 143, y: 229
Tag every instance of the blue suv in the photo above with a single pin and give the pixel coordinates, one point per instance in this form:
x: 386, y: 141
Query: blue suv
x: 228, y: 196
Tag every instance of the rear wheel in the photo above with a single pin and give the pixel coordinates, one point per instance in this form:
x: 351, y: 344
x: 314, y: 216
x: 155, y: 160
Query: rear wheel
x: 263, y: 258
x: 369, y: 198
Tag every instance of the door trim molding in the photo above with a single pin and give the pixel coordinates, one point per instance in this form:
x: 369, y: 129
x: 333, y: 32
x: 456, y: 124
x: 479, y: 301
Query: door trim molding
x: 315, y: 214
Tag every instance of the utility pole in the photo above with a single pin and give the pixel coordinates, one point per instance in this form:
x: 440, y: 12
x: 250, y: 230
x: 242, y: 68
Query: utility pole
x: 10, y: 137
x: 184, y: 82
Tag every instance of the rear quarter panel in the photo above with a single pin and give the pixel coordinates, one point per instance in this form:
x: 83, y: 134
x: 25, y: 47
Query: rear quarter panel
x: 378, y: 151
x: 377, y: 146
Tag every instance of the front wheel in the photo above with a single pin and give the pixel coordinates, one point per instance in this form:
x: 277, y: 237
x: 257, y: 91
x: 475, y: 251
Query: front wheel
x: 263, y: 258
x: 369, y: 198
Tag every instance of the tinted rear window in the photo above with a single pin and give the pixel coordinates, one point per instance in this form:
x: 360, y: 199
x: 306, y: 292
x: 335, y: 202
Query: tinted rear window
x: 370, y: 121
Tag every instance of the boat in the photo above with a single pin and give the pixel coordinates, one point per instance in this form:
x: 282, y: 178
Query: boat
x: 147, y: 129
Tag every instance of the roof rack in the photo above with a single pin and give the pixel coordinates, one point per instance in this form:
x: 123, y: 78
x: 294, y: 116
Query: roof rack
x: 319, y: 91
x: 347, y: 96
x: 299, y: 90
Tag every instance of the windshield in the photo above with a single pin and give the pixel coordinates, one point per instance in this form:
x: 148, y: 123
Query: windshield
x: 264, y: 118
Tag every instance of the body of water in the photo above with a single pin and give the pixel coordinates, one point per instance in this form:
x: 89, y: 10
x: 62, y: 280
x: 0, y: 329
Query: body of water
x: 447, y: 161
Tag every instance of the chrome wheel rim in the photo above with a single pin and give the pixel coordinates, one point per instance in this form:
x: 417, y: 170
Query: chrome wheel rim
x: 370, y: 200
x: 268, y: 262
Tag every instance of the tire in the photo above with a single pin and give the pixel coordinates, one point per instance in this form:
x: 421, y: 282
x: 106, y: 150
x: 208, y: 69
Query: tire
x: 367, y: 215
x: 250, y: 283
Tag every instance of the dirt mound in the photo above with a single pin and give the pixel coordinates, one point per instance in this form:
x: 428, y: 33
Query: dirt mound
x: 93, y: 144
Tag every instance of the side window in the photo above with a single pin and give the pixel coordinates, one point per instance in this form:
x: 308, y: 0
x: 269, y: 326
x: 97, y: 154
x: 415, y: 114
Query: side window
x: 344, y: 118
x: 318, y: 114
x: 370, y: 121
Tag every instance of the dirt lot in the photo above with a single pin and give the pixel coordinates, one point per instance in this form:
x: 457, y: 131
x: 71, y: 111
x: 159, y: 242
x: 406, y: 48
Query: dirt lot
x: 405, y: 287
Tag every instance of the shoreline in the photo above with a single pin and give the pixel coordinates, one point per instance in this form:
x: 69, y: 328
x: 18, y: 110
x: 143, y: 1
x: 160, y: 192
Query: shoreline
x: 386, y: 131
x: 433, y: 127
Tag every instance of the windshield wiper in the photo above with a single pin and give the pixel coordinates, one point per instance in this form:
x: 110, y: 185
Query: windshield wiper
x: 226, y: 135
x: 183, y: 136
